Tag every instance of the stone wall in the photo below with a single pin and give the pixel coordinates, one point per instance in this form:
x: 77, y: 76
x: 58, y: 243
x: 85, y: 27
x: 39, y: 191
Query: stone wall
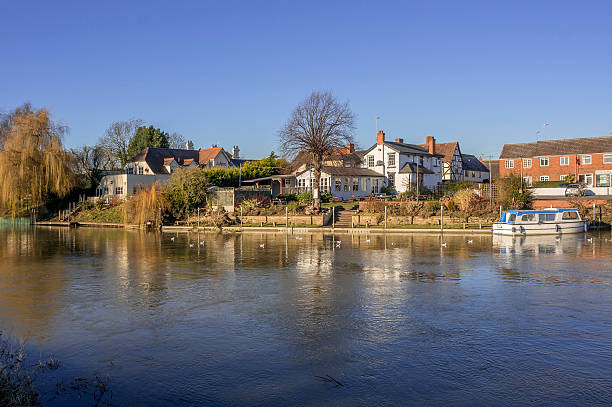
x: 379, y: 220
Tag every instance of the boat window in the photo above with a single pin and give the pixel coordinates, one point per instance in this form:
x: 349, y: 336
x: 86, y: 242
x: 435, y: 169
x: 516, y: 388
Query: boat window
x: 512, y: 217
x: 546, y: 217
x: 530, y: 217
x: 570, y: 215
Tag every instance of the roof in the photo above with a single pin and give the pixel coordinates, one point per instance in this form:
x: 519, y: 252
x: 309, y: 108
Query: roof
x: 584, y: 145
x: 169, y: 160
x: 411, y: 168
x: 207, y: 154
x: 347, y: 172
x: 270, y: 178
x: 155, y: 157
x: 446, y: 150
x: 472, y: 163
x: 405, y: 148
x: 187, y: 161
x: 304, y: 158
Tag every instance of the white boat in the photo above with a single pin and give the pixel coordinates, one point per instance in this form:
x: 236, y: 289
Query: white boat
x: 540, y: 222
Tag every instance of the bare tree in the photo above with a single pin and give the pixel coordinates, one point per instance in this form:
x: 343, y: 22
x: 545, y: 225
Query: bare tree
x: 319, y: 126
x: 90, y: 162
x: 116, y: 140
x: 177, y: 140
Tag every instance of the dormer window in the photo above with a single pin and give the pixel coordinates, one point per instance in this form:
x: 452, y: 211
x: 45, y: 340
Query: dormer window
x: 140, y: 170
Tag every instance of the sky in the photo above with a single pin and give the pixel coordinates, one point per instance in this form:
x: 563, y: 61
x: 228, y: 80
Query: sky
x: 230, y: 72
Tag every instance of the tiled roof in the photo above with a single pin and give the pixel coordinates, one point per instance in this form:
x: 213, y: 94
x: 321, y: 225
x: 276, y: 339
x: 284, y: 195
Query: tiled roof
x: 405, y: 148
x: 446, y: 150
x: 155, y: 157
x: 472, y: 163
x: 167, y: 161
x: 188, y: 161
x: 585, y: 145
x: 411, y: 168
x: 207, y: 154
x: 348, y: 172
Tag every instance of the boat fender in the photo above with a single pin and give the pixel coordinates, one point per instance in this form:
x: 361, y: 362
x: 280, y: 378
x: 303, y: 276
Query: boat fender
x: 522, y: 229
x: 513, y: 229
x: 558, y: 228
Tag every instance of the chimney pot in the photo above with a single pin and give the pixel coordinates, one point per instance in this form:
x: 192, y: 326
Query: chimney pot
x: 351, y: 147
x: 380, y: 137
x: 399, y: 140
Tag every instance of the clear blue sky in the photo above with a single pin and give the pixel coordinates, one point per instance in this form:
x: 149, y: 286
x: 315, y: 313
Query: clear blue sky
x: 229, y: 72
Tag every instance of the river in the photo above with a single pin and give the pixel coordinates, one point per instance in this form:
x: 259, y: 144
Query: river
x: 271, y: 319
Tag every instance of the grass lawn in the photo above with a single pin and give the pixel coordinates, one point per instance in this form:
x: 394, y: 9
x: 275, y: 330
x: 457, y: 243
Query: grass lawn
x: 107, y: 215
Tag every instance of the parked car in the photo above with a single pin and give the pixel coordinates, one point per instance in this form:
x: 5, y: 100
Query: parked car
x: 573, y: 189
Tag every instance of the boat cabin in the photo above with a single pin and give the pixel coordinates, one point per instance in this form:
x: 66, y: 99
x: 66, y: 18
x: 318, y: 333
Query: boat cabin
x: 552, y: 215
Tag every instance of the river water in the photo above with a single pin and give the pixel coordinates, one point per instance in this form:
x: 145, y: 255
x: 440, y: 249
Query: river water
x: 264, y: 319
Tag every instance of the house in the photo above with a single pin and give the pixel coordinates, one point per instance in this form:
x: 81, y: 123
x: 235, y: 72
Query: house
x: 401, y: 164
x: 342, y: 182
x: 473, y: 169
x: 153, y: 165
x: 588, y: 158
x: 452, y: 161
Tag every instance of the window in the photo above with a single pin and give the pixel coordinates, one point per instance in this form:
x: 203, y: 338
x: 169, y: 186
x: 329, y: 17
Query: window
x: 338, y: 186
x: 436, y: 162
x: 530, y: 217
x: 512, y: 217
x: 391, y: 159
x: 301, y: 182
x: 564, y: 161
x: 370, y: 161
x: 118, y: 190
x: 375, y: 185
x: 527, y: 163
x: 509, y: 163
x: 546, y: 217
x: 140, y: 170
x: 364, y: 184
x: 130, y: 170
x: 527, y: 181
x: 347, y: 186
x: 586, y: 160
x: 287, y: 182
x: 467, y: 173
x: 355, y: 184
x: 324, y: 183
x: 544, y: 178
x: 391, y: 176
x: 607, y: 159
x: 543, y: 161
x: 570, y: 215
x: 603, y: 180
x: 586, y: 179
x: 562, y: 177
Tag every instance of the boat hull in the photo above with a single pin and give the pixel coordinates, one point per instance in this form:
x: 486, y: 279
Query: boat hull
x: 539, y: 228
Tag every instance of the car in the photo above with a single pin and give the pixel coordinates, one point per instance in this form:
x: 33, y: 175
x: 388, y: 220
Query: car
x: 574, y: 190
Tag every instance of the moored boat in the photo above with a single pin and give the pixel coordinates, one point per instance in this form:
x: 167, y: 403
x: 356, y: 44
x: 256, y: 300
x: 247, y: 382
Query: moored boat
x: 539, y: 222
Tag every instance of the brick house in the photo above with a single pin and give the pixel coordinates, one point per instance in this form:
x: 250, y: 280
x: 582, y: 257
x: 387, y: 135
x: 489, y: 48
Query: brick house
x: 589, y: 158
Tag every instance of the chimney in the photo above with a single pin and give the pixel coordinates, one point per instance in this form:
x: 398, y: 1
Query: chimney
x: 399, y: 140
x: 380, y: 137
x: 189, y: 145
x: 213, y: 146
x: 350, y: 147
x: 431, y: 144
x: 235, y: 152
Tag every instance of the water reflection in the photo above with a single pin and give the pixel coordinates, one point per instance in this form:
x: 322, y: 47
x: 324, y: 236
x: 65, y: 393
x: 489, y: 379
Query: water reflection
x: 410, y: 318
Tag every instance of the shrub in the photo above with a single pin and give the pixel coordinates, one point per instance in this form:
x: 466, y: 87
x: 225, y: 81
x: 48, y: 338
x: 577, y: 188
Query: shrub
x: 512, y: 195
x: 387, y: 190
x: 288, y: 197
x: 250, y: 204
x: 146, y: 206
x: 186, y: 190
x: 326, y: 197
x: 453, y: 187
x: 431, y: 208
x: 305, y: 197
x: 100, y: 204
x: 452, y: 206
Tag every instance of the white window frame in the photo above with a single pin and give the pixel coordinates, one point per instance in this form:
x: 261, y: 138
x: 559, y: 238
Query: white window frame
x: 545, y: 160
x: 509, y: 164
x: 586, y: 176
x: 527, y: 162
x: 586, y: 157
x: 607, y: 158
x: 544, y: 178
x: 370, y: 161
x: 391, y: 159
x: 564, y: 160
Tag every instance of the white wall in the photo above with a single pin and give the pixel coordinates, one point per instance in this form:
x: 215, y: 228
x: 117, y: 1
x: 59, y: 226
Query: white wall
x: 128, y: 182
x: 365, y: 184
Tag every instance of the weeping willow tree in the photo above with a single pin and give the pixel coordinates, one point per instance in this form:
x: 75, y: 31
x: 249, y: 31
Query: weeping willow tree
x: 33, y: 163
x: 147, y: 205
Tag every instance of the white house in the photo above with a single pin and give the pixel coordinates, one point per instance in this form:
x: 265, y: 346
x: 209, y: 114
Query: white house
x: 342, y: 182
x: 153, y: 165
x: 452, y: 162
x: 400, y: 163
x: 473, y: 169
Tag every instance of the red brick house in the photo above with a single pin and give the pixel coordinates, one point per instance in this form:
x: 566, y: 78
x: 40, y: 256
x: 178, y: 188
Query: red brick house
x: 553, y: 160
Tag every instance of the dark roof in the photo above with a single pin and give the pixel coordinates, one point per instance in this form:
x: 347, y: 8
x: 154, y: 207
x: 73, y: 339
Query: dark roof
x: 304, y: 158
x: 347, y: 172
x: 406, y: 148
x: 472, y: 163
x: 411, y: 168
x: 270, y: 178
x: 154, y: 157
x: 361, y: 153
x: 585, y: 145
